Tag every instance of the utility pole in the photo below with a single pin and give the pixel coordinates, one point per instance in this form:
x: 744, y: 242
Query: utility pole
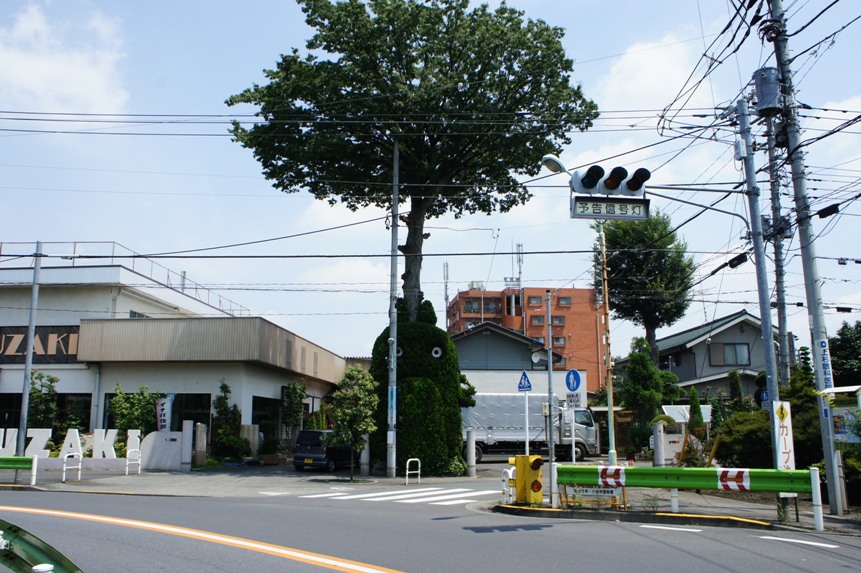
x: 608, y: 357
x: 761, y: 280
x: 775, y: 32
x: 552, y: 407
x: 777, y: 227
x: 391, y: 433
x: 28, y: 356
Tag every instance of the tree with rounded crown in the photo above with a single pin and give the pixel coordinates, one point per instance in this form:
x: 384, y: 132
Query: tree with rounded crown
x: 649, y: 273
x: 472, y: 97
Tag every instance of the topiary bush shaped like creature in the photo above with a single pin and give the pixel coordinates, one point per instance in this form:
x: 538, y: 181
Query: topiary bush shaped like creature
x: 430, y: 394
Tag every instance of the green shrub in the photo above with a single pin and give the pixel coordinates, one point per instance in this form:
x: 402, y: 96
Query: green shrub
x: 746, y: 441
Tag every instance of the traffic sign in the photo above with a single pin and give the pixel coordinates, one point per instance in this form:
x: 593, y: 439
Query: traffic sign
x: 572, y: 380
x: 524, y: 385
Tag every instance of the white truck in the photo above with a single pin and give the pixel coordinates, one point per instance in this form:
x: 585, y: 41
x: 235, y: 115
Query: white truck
x: 499, y: 422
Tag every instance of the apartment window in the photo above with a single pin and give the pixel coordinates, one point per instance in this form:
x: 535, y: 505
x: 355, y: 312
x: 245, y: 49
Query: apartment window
x: 539, y: 339
x: 472, y: 324
x: 534, y: 300
x: 557, y: 319
x: 729, y: 355
x: 558, y: 341
x: 472, y: 306
x: 564, y: 301
x: 536, y: 319
x: 491, y: 306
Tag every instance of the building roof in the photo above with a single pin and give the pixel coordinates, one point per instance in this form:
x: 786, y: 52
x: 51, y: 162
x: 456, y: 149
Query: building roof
x: 533, y: 344
x: 688, y: 338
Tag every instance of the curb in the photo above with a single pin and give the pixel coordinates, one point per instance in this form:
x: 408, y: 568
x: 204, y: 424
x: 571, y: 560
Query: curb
x: 634, y: 516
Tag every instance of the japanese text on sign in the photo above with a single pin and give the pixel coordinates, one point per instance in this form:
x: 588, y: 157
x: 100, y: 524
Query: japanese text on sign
x: 609, y: 208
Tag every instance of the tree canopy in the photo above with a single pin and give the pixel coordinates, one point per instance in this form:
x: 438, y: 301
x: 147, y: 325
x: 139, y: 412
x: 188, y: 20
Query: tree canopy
x: 471, y: 96
x: 649, y: 273
x: 846, y: 354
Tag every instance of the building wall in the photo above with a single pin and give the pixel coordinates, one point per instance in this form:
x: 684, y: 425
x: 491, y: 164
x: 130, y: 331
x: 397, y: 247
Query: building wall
x: 488, y: 350
x: 578, y: 337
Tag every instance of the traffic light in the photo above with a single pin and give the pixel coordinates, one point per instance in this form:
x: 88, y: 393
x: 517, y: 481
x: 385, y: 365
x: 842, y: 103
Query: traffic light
x: 527, y: 479
x: 534, y: 485
x: 592, y: 181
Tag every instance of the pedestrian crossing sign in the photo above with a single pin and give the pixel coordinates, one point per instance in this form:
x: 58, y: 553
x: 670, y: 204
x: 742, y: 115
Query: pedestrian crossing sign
x: 524, y: 385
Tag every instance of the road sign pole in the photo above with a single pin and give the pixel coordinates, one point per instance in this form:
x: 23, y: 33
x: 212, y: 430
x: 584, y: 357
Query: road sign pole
x: 526, y: 420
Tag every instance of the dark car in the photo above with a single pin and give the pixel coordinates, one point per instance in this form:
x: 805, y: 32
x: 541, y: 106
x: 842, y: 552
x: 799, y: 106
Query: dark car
x: 312, y: 451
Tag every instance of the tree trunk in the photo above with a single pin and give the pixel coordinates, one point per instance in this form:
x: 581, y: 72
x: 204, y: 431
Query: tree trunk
x: 651, y: 336
x: 412, y: 249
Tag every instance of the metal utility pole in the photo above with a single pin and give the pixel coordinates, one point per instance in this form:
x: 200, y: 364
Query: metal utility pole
x: 552, y: 407
x: 608, y: 357
x: 391, y: 433
x: 779, y: 271
x: 28, y: 356
x: 775, y: 32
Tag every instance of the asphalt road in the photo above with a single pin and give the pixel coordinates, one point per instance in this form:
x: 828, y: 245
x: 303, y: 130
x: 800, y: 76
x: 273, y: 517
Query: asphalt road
x: 374, y: 532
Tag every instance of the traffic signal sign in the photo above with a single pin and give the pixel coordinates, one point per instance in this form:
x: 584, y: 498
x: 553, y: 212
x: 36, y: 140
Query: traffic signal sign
x: 592, y: 181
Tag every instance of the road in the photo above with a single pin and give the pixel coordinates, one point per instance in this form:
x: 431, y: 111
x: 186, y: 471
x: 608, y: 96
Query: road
x: 392, y: 528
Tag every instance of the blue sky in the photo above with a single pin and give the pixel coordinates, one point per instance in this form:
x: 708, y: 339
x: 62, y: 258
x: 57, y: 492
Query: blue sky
x: 156, y: 193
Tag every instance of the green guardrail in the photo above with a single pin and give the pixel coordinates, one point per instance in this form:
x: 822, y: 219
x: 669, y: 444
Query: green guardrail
x: 737, y: 479
x: 16, y: 463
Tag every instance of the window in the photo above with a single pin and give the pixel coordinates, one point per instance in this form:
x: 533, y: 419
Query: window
x: 472, y: 306
x: 564, y: 301
x: 491, y: 306
x: 536, y: 319
x: 539, y: 339
x: 534, y: 300
x: 557, y: 319
x: 471, y: 324
x: 558, y: 341
x: 136, y: 314
x: 729, y: 355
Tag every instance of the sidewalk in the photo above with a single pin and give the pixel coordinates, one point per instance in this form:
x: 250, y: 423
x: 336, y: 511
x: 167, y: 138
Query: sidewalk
x: 645, y: 506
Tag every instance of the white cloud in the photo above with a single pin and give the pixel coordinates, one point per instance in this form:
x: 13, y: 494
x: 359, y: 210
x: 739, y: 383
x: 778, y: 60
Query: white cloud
x: 73, y: 67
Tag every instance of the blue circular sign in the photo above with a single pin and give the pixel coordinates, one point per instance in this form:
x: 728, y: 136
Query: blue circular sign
x: 572, y: 380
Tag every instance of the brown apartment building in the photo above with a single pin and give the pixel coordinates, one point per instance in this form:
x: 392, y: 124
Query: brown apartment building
x: 576, y: 322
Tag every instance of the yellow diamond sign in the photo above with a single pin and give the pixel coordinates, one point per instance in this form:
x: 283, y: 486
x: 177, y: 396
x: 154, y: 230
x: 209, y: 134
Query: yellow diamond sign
x: 782, y: 413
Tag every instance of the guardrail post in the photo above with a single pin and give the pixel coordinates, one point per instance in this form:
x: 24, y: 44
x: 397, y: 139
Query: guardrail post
x: 817, y: 500
x: 674, y: 500
x: 508, y: 485
x: 554, y: 489
x: 33, y: 469
x: 658, y: 437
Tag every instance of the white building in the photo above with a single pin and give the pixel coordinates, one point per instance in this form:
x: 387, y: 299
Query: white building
x: 128, y: 320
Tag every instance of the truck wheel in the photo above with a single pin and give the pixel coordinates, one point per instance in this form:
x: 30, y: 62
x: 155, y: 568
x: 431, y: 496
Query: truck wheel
x: 580, y: 452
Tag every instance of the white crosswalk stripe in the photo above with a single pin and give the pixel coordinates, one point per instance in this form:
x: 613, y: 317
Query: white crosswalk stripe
x: 429, y: 495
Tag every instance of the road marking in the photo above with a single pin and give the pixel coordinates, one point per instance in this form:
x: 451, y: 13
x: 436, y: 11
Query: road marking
x: 386, y: 495
x: 448, y: 496
x: 336, y: 495
x: 814, y: 543
x: 671, y: 528
x: 274, y: 493
x: 238, y: 542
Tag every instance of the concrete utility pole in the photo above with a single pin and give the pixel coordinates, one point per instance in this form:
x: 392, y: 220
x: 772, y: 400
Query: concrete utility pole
x: 779, y: 271
x: 761, y: 283
x: 28, y: 356
x: 391, y: 433
x: 775, y: 32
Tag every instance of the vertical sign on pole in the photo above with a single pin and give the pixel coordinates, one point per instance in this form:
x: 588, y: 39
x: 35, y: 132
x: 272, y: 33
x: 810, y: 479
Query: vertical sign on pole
x: 525, y: 386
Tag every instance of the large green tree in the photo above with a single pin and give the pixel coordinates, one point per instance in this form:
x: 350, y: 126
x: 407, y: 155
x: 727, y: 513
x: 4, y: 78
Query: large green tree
x: 471, y: 96
x: 649, y: 273
x: 845, y: 351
